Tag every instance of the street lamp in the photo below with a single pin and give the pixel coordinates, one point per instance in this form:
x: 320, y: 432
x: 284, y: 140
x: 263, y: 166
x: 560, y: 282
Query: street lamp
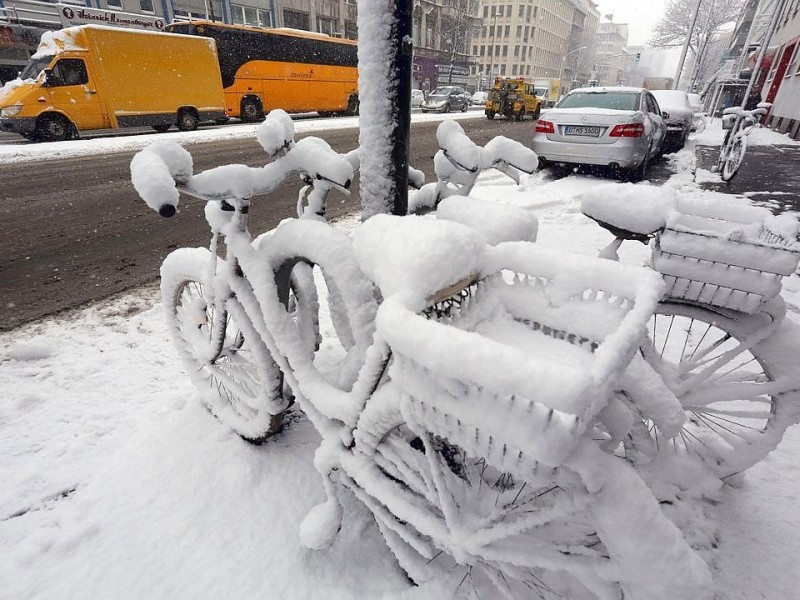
x: 564, y: 62
x: 491, y: 60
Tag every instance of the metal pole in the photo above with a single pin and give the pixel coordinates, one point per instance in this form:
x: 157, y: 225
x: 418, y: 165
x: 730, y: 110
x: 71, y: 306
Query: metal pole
x: 773, y: 23
x: 400, y: 102
x: 491, y: 54
x: 686, y: 45
x: 699, y: 59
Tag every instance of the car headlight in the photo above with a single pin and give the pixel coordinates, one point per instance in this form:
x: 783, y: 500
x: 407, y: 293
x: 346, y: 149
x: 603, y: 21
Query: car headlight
x: 10, y: 111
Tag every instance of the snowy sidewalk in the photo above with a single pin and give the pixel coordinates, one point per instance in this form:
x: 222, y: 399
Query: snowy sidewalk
x: 117, y: 484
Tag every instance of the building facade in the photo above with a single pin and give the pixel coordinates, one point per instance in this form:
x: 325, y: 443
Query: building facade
x: 613, y: 58
x: 535, y: 39
x: 782, y: 84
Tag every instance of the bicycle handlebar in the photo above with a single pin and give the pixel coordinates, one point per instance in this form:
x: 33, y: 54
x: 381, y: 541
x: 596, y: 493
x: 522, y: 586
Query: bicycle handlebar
x: 164, y: 169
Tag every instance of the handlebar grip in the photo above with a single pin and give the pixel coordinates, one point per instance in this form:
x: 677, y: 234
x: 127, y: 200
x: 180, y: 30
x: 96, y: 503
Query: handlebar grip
x: 167, y: 210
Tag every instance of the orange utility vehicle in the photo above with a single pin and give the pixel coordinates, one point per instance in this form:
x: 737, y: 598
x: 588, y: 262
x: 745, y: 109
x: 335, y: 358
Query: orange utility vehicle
x: 94, y: 77
x: 297, y: 71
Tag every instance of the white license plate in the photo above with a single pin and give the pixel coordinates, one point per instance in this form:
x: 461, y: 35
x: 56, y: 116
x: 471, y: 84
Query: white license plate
x: 582, y: 130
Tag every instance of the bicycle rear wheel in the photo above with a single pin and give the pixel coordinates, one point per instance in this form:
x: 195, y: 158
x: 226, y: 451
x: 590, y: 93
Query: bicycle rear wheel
x: 729, y: 165
x: 738, y: 396
x: 223, y: 355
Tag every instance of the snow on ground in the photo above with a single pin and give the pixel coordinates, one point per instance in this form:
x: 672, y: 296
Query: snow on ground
x: 116, y: 483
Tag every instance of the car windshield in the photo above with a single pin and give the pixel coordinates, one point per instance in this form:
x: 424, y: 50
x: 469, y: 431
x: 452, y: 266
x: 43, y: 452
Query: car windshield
x: 442, y: 91
x: 35, y: 66
x: 612, y: 100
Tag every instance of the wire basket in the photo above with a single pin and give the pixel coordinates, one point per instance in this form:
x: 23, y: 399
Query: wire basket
x: 723, y: 263
x: 516, y: 368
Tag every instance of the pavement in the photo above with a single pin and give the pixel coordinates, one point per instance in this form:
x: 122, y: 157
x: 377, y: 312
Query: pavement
x: 769, y: 176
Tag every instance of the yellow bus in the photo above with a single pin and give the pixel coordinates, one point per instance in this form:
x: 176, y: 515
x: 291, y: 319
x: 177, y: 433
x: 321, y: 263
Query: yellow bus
x: 297, y: 71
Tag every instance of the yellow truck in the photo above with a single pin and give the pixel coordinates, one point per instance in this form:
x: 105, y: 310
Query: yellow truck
x: 513, y: 98
x: 95, y: 77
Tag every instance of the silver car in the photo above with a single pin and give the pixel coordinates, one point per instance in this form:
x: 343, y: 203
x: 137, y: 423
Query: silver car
x: 680, y: 117
x: 446, y: 99
x: 618, y: 127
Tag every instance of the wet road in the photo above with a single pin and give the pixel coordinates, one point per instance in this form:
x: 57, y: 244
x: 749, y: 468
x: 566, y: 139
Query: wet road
x: 75, y: 231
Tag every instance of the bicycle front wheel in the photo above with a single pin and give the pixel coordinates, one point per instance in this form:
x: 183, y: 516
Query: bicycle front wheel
x: 733, y: 158
x: 556, y: 534
x: 738, y: 395
x: 221, y: 352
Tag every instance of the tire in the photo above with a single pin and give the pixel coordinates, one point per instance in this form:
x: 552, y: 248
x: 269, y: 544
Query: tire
x: 490, y: 115
x: 639, y: 172
x: 161, y: 128
x: 446, y: 108
x: 303, y: 256
x: 54, y: 128
x: 353, y: 106
x: 733, y: 158
x: 238, y: 382
x: 187, y: 120
x: 546, y: 537
x: 251, y: 110
x: 521, y: 115
x: 464, y: 107
x: 700, y: 352
x: 537, y: 112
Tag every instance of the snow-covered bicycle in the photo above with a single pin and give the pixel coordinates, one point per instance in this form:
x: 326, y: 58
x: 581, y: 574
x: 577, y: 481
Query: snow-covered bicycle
x: 738, y: 124
x: 718, y: 339
x: 485, y: 398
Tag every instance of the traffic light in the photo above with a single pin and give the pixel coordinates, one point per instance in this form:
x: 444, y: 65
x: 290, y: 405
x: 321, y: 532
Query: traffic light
x: 638, y: 56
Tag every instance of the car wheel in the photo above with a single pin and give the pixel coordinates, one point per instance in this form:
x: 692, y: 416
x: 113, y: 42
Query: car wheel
x: 446, y: 108
x: 464, y: 108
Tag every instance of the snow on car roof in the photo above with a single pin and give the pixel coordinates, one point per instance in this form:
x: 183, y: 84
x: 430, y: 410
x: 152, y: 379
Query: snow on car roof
x: 608, y: 88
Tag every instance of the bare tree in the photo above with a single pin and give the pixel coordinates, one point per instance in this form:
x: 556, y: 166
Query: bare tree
x: 459, y: 22
x: 673, y: 28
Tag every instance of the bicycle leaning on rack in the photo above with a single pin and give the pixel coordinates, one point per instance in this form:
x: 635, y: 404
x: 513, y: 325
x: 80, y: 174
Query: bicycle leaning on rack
x: 488, y: 400
x: 738, y: 124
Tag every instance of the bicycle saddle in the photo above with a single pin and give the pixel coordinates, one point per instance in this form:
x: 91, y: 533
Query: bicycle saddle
x: 413, y: 258
x: 630, y: 212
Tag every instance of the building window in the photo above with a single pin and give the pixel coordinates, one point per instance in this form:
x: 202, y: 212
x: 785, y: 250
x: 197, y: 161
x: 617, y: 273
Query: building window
x: 327, y: 26
x: 295, y: 19
x: 146, y: 5
x: 114, y: 4
x: 351, y: 30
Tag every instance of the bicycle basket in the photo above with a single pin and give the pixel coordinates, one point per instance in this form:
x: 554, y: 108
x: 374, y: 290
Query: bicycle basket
x: 727, y: 256
x: 516, y: 367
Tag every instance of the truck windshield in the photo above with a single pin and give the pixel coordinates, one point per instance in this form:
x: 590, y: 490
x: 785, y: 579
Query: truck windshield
x: 35, y: 66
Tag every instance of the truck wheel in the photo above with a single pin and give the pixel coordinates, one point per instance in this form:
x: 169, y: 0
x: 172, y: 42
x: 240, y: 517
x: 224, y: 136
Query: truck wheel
x: 537, y: 112
x: 251, y: 110
x: 490, y: 115
x: 521, y: 114
x: 187, y: 120
x: 54, y: 128
x: 161, y: 128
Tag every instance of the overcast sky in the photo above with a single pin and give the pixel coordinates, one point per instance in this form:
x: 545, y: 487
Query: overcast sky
x: 641, y: 17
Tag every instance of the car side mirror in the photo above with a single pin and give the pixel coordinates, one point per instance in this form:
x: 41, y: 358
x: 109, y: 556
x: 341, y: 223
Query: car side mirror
x: 665, y: 114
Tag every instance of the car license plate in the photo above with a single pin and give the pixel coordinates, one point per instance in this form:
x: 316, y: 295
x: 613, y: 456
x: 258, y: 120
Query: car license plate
x: 582, y: 130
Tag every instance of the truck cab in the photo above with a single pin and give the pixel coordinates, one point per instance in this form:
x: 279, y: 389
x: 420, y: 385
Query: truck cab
x: 53, y: 99
x: 514, y: 98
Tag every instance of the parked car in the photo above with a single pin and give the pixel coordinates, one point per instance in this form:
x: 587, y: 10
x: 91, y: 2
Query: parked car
x: 700, y: 115
x: 445, y: 99
x: 617, y: 127
x: 680, y: 116
x: 479, y: 98
x: 417, y: 96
